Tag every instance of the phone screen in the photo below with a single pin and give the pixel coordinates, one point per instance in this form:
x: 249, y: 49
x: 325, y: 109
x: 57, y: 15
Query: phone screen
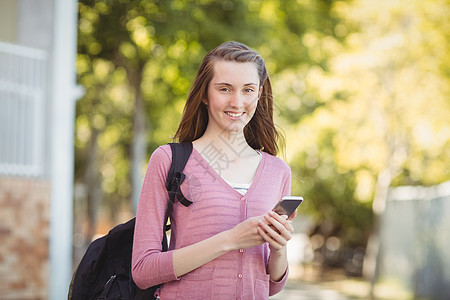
x: 287, y: 205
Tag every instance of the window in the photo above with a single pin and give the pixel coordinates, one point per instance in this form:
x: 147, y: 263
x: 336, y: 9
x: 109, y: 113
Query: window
x: 22, y: 110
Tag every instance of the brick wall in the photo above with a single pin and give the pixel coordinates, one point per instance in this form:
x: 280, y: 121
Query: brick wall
x: 24, y: 238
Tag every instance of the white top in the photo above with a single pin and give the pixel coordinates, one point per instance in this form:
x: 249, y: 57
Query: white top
x: 240, y: 187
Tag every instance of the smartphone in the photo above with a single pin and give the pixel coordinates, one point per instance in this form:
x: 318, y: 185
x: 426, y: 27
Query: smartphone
x: 287, y: 205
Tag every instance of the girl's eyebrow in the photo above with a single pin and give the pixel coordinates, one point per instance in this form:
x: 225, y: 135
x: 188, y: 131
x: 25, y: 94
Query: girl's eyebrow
x: 228, y: 84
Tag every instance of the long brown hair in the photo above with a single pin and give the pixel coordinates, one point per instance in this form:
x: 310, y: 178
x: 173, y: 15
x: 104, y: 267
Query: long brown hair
x: 260, y: 132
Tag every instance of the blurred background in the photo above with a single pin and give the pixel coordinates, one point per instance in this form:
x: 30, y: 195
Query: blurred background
x: 361, y: 93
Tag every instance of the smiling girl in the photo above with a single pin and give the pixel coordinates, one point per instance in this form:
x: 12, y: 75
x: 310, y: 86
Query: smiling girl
x: 227, y: 244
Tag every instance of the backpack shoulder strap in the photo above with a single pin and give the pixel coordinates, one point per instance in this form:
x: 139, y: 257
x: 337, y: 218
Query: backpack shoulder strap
x: 180, y: 155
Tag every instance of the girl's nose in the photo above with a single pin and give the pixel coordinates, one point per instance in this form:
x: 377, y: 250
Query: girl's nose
x: 237, y: 100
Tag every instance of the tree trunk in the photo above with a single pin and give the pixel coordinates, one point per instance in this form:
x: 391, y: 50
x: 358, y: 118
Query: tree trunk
x: 389, y: 121
x: 373, y: 250
x: 138, y: 147
x: 93, y: 186
x: 139, y: 143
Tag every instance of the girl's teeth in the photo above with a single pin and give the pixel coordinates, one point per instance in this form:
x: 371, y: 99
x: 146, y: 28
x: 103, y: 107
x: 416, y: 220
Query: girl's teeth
x: 234, y: 115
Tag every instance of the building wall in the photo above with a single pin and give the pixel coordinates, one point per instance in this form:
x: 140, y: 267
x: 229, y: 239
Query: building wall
x: 24, y: 238
x: 36, y: 189
x: 24, y: 189
x: 35, y: 24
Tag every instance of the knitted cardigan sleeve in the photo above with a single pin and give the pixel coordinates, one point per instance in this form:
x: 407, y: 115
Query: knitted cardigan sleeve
x: 151, y: 266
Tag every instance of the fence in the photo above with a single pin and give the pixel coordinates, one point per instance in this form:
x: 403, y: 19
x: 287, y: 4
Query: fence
x: 416, y: 240
x: 22, y: 110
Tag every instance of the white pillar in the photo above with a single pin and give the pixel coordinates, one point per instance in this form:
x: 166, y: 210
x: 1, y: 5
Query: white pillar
x: 63, y: 95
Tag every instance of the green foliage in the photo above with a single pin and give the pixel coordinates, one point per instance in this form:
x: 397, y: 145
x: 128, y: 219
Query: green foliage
x: 380, y: 104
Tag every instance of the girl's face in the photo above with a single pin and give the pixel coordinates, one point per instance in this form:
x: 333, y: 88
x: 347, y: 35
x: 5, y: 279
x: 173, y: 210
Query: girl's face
x: 232, y: 96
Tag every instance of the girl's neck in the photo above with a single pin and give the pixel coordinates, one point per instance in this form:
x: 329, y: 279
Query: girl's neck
x: 231, y: 144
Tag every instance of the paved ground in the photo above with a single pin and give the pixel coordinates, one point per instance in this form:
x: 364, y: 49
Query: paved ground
x: 307, y: 291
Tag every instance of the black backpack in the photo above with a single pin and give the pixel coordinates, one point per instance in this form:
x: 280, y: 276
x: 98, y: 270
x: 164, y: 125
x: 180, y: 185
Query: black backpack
x: 105, y: 269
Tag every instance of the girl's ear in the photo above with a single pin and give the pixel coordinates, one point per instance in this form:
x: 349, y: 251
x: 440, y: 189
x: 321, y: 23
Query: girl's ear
x: 205, y: 101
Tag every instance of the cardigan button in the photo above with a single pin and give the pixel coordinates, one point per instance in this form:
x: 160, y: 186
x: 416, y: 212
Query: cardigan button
x: 242, y: 198
x: 239, y: 275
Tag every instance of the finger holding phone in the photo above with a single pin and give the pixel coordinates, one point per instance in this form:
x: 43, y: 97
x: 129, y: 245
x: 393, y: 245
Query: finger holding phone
x: 276, y: 227
x: 276, y: 230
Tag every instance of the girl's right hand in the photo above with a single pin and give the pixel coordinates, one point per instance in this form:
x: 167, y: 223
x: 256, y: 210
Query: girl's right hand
x: 245, y: 234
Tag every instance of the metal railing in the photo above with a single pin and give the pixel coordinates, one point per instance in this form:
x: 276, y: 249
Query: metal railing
x: 23, y: 73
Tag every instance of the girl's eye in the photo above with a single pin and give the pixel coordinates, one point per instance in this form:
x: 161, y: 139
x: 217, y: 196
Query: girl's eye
x: 224, y: 89
x: 249, y: 90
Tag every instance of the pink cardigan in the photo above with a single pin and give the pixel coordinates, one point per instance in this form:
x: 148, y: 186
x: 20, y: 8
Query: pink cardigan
x: 216, y: 207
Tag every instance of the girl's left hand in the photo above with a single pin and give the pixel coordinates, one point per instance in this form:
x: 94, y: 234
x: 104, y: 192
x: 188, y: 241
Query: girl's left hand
x: 276, y: 230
